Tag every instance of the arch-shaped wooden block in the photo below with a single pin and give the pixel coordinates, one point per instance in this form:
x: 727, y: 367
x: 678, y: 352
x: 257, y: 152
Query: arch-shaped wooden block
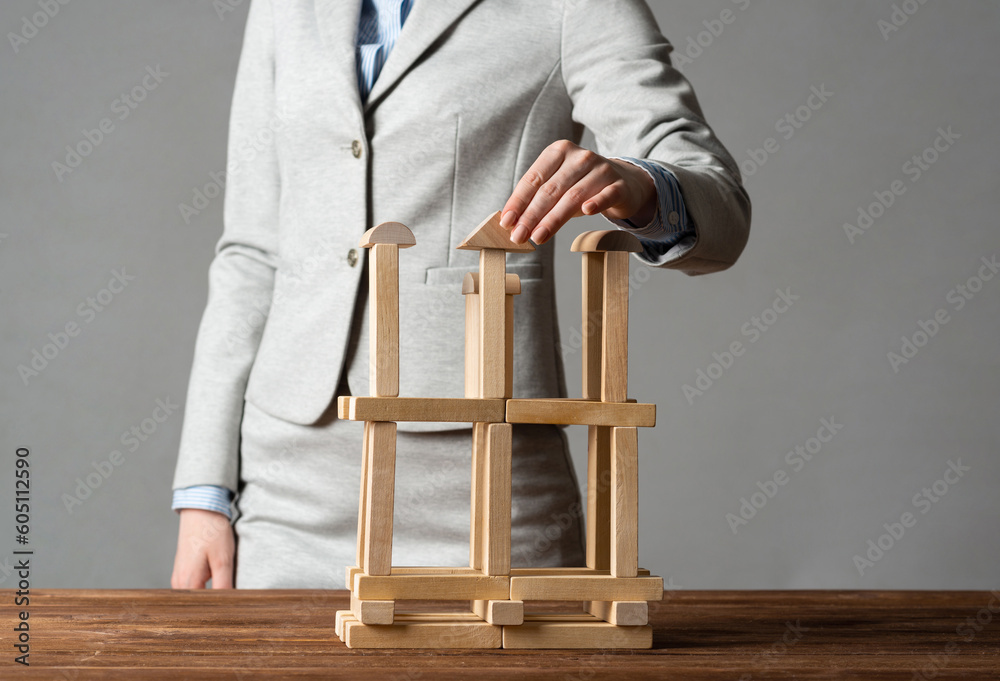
x: 395, y: 233
x: 606, y: 240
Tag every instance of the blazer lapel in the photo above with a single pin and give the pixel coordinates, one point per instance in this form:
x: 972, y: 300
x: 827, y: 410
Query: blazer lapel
x: 427, y: 21
x: 338, y: 27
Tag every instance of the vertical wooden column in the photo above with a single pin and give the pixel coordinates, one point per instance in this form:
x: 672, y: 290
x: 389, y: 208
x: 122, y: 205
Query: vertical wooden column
x: 379, y: 501
x: 492, y: 324
x: 605, y: 378
x: 624, y: 502
x: 496, y: 539
x: 378, y: 462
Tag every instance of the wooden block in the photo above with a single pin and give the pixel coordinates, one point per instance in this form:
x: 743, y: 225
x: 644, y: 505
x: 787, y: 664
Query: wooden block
x: 624, y: 502
x: 620, y: 613
x: 489, y: 234
x: 508, y: 369
x: 338, y: 622
x: 349, y: 573
x: 614, y: 350
x: 383, y: 306
x: 539, y: 632
x: 563, y: 572
x: 372, y: 612
x: 586, y: 588
x: 455, y: 587
x: 472, y: 354
x: 388, y: 233
x: 362, y: 499
x: 496, y: 549
x: 477, y: 508
x: 599, y: 482
x: 492, y: 334
x: 450, y: 410
x: 606, y: 240
x: 592, y: 316
x: 580, y: 412
x: 500, y: 612
x: 423, y: 632
x: 381, y: 483
x: 470, y: 284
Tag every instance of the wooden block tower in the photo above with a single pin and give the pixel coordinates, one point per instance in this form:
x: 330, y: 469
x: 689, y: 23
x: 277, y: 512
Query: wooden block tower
x: 614, y: 591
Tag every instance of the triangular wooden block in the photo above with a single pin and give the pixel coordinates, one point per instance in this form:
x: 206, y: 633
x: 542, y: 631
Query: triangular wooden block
x: 489, y: 234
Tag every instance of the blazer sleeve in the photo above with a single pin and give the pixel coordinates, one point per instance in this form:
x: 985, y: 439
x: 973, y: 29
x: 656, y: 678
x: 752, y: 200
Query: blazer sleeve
x: 617, y: 71
x: 241, y: 275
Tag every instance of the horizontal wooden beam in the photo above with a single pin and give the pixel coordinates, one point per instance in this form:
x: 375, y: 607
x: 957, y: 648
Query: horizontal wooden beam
x: 436, y: 587
x: 581, y: 412
x: 620, y: 613
x: 450, y: 410
x: 590, y: 588
x: 575, y: 631
x: 419, y: 630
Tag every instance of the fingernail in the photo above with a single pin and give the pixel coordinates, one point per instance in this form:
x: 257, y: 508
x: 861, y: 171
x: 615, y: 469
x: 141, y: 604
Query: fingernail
x: 519, y: 235
x: 507, y: 219
x: 588, y: 207
x: 540, y: 236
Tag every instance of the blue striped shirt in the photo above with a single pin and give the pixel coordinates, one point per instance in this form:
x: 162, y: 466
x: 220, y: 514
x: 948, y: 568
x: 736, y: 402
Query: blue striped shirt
x: 669, y: 233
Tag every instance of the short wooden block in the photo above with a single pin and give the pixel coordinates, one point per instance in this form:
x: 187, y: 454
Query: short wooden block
x: 373, y: 612
x: 587, y: 588
x: 379, y: 498
x: 580, y: 412
x: 338, y: 622
x: 462, y: 587
x: 470, y: 284
x: 447, y: 410
x: 497, y: 512
x: 420, y: 631
x: 500, y: 612
x: 561, y: 631
x: 620, y: 613
x: 624, y: 502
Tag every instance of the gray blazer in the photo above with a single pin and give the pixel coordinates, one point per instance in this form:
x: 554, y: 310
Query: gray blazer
x: 472, y: 92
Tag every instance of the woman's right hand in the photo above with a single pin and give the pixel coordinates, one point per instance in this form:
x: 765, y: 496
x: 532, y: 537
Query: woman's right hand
x: 206, y: 549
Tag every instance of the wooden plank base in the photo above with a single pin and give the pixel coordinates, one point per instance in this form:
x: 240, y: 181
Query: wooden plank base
x: 422, y: 630
x: 575, y: 632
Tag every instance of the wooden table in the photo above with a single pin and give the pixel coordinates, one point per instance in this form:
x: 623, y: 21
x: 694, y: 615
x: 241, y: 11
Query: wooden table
x: 288, y: 634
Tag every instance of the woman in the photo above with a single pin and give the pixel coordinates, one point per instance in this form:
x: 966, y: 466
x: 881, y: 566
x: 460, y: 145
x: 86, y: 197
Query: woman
x: 479, y: 103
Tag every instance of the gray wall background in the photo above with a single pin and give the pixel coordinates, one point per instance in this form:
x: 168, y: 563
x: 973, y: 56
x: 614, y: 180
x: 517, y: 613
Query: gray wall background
x: 826, y: 357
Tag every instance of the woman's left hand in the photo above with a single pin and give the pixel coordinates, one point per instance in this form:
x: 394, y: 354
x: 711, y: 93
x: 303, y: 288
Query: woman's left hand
x: 567, y: 181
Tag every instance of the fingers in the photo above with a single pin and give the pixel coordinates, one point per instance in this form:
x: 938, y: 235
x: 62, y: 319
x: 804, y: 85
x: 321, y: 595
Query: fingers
x: 571, y: 203
x: 221, y: 565
x: 205, y: 550
x: 544, y: 167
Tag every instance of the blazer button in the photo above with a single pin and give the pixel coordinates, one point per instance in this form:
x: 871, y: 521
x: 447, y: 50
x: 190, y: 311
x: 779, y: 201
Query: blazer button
x: 352, y: 257
x: 356, y: 148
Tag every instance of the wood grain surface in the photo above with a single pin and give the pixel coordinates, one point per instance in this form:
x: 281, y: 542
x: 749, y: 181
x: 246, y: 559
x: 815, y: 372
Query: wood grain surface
x: 289, y: 634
